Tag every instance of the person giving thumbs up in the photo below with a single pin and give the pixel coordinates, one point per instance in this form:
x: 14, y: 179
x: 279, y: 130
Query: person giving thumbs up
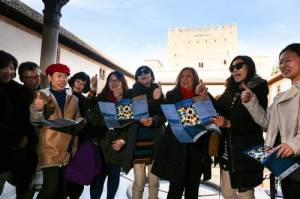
x: 38, y: 102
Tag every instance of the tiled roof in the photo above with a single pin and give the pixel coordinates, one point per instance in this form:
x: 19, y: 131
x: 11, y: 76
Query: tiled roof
x: 23, y: 14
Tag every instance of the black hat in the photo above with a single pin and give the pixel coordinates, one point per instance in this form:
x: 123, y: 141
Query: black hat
x: 82, y: 76
x: 146, y: 70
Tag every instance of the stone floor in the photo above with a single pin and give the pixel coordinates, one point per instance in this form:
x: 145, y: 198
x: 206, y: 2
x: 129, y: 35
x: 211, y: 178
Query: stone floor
x: 124, y: 190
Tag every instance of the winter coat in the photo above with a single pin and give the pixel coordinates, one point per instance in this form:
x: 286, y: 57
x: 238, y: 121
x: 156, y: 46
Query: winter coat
x: 104, y: 136
x: 157, y: 127
x: 13, y: 123
x: 243, y: 134
x: 282, y: 116
x: 171, y: 160
x: 54, y: 142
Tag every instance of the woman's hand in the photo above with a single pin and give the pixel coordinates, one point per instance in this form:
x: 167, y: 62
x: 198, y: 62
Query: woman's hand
x: 246, y: 95
x: 117, y: 144
x: 38, y: 102
x: 147, y: 122
x: 222, y: 122
x: 94, y: 83
x: 201, y: 89
x: 283, y: 150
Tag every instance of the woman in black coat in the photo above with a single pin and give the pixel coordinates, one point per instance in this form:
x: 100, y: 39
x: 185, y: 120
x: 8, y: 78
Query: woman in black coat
x: 180, y: 163
x: 80, y: 84
x: 240, y: 173
x: 111, y: 142
x: 144, y: 137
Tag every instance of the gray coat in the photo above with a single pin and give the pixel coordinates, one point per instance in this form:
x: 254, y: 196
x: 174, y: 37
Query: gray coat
x: 282, y: 116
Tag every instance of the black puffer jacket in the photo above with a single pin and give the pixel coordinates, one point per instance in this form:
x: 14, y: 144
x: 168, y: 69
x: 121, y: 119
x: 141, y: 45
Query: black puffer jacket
x: 243, y: 134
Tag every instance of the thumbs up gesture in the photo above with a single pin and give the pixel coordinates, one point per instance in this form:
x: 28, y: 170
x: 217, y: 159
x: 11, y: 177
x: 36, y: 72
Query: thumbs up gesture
x: 157, y: 92
x: 94, y: 83
x: 201, y: 89
x: 38, y: 102
x: 246, y: 95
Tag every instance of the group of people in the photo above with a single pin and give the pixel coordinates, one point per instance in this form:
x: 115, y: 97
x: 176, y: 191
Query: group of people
x: 148, y: 147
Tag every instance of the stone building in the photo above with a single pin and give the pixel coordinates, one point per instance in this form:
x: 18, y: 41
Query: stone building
x: 206, y: 47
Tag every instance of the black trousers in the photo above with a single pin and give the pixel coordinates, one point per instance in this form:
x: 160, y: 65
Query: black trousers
x: 192, y: 180
x: 54, y: 184
x: 75, y: 190
x: 24, y: 162
x: 290, y: 188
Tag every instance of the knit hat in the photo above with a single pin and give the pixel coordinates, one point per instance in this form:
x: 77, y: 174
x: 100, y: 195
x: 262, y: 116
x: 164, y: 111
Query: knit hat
x: 82, y: 76
x: 144, y: 70
x: 57, y: 68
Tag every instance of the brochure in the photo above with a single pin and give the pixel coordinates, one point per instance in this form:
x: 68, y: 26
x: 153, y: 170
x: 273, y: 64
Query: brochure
x: 125, y: 112
x: 59, y: 123
x: 190, y: 119
x: 280, y: 167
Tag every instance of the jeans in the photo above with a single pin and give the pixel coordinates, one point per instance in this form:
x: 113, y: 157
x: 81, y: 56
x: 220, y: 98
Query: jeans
x: 111, y: 171
x: 140, y: 180
x: 230, y: 193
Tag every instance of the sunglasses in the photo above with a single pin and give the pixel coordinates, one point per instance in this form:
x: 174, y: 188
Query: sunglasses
x: 238, y: 66
x: 143, y: 71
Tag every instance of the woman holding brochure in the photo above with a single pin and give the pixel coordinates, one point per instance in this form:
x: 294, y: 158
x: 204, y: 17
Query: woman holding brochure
x: 144, y: 137
x: 281, y: 120
x: 52, y: 103
x: 183, y: 164
x: 239, y: 173
x: 111, y: 142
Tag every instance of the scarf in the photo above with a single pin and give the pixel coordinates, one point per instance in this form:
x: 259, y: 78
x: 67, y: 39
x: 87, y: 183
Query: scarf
x: 186, y: 93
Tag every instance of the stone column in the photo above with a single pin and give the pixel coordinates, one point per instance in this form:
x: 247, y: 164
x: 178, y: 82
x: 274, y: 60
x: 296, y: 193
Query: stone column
x: 51, y: 24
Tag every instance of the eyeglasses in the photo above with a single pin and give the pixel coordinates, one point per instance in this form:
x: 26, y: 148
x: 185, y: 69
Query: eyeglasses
x: 114, y: 80
x: 238, y: 66
x: 143, y: 71
x: 37, y: 77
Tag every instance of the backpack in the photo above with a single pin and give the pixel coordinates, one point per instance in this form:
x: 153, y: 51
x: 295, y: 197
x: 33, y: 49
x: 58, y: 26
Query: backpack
x: 85, y: 164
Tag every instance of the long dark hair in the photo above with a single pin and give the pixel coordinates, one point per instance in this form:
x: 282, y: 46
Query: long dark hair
x: 105, y: 91
x: 251, y: 71
x: 294, y: 47
x: 195, y: 76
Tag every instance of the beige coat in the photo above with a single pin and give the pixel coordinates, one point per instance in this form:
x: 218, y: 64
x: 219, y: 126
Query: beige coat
x: 282, y: 116
x: 53, y: 144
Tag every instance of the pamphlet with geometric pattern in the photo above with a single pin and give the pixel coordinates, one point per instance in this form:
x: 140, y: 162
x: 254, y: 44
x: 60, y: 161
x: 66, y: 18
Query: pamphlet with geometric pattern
x: 190, y: 119
x: 124, y: 112
x: 280, y: 167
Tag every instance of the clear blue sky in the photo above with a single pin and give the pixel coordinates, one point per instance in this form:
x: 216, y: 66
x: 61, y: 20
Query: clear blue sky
x: 131, y: 31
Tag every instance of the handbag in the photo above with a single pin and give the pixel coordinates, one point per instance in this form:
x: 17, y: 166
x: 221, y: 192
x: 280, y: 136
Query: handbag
x: 213, y: 146
x: 85, y: 164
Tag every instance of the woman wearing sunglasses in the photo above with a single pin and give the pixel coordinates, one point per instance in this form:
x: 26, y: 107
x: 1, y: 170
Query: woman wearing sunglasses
x: 239, y: 173
x: 144, y: 137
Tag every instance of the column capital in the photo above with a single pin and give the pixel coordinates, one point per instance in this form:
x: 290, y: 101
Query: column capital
x: 52, y: 11
x: 54, y: 6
